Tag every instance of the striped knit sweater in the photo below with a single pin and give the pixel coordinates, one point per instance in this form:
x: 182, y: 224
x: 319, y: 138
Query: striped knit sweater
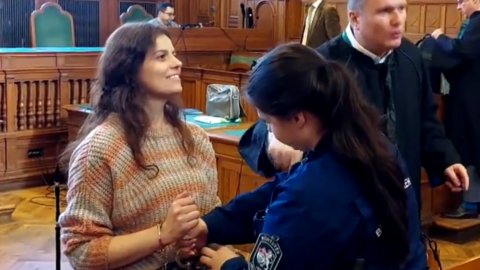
x: 110, y: 195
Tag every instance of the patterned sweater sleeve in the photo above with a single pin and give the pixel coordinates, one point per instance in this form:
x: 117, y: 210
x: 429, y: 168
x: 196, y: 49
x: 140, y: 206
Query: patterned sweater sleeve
x: 209, y: 163
x: 86, y: 225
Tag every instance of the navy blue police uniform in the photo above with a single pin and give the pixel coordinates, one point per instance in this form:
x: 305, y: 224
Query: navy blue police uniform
x: 312, y: 217
x: 400, y: 90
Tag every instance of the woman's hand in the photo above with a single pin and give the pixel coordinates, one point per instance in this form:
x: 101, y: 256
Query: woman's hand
x: 215, y: 256
x: 195, y: 240
x: 282, y: 156
x: 182, y: 217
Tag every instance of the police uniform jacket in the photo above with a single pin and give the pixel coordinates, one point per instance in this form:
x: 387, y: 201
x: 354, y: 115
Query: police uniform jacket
x: 401, y: 88
x: 312, y: 217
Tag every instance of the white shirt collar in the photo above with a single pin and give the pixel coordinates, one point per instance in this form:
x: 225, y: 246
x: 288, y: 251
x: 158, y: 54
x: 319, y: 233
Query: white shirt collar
x: 317, y: 3
x: 360, y: 48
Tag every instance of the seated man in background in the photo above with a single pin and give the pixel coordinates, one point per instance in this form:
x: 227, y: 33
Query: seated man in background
x: 165, y: 15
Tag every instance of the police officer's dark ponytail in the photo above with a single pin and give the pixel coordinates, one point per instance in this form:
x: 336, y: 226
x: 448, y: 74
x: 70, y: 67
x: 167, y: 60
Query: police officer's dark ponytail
x: 355, y: 127
x: 294, y: 78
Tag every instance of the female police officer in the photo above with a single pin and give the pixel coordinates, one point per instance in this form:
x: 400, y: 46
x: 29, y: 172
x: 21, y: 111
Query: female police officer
x: 348, y: 205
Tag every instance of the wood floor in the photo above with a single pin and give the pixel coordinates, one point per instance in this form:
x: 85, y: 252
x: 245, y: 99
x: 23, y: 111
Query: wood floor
x: 27, y: 236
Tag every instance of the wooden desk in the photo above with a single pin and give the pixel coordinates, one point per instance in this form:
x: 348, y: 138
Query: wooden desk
x: 235, y: 177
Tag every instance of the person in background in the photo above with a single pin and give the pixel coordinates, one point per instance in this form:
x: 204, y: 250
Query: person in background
x: 139, y: 177
x: 461, y: 66
x: 392, y: 76
x: 348, y: 204
x: 322, y: 23
x: 165, y: 15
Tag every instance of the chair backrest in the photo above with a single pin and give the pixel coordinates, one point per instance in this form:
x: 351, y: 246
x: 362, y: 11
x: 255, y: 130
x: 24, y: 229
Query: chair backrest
x: 135, y: 13
x: 51, y: 26
x: 242, y: 61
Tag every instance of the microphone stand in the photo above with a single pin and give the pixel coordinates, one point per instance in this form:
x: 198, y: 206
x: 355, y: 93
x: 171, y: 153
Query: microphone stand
x: 58, y: 255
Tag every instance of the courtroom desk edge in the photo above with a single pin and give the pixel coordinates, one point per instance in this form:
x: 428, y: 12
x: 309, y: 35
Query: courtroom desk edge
x: 211, y: 70
x: 51, y: 50
x: 77, y: 108
x: 20, y: 134
x: 218, y: 134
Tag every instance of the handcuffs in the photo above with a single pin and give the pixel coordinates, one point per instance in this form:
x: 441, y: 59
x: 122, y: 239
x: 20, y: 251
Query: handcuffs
x: 179, y: 264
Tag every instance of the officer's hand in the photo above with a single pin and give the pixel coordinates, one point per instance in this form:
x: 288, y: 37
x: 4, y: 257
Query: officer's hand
x: 215, y: 256
x: 195, y: 240
x: 457, y: 178
x: 437, y: 33
x: 283, y: 156
x: 182, y: 217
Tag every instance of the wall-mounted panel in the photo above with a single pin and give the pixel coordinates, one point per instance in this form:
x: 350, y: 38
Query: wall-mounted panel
x: 15, y: 23
x: 86, y: 21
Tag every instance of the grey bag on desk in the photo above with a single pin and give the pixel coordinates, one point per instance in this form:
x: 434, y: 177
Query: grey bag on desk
x: 224, y: 101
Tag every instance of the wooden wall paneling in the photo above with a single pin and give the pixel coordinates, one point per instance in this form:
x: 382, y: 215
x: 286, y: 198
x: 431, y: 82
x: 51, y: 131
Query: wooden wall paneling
x: 270, y: 15
x: 109, y: 20
x: 33, y: 115
x: 213, y: 60
x: 182, y: 10
x: 232, y: 14
x: 206, y: 12
x: 191, y: 88
x: 295, y: 12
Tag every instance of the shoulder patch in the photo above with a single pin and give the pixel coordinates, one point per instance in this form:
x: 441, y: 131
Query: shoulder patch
x: 407, y: 183
x: 266, y: 254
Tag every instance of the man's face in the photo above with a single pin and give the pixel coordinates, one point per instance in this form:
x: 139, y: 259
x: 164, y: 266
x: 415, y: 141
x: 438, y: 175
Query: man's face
x: 168, y: 15
x: 467, y: 7
x: 380, y: 22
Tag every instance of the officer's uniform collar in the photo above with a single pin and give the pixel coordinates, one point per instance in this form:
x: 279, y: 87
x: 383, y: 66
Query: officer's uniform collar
x: 322, y: 147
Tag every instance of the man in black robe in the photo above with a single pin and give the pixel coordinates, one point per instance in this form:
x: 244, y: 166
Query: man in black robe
x: 393, y: 78
x: 459, y: 60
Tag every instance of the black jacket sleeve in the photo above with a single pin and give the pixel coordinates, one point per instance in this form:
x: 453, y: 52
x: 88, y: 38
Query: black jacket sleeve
x: 238, y: 263
x: 253, y: 149
x: 438, y: 152
x: 232, y: 224
x: 437, y: 58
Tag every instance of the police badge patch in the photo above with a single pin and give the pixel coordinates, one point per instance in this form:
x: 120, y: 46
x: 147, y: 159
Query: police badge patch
x: 266, y: 254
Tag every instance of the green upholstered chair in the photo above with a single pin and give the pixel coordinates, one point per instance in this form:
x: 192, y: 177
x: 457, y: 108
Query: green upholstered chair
x: 242, y: 61
x: 135, y: 13
x: 51, y: 26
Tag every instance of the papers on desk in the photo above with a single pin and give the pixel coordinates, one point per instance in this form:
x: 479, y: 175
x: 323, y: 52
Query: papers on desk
x: 210, y: 119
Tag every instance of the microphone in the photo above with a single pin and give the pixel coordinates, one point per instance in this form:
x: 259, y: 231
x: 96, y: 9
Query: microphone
x: 242, y: 8
x: 250, y: 18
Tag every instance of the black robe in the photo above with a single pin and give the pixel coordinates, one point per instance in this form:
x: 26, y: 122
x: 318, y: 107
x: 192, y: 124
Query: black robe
x: 459, y: 60
x: 418, y: 132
